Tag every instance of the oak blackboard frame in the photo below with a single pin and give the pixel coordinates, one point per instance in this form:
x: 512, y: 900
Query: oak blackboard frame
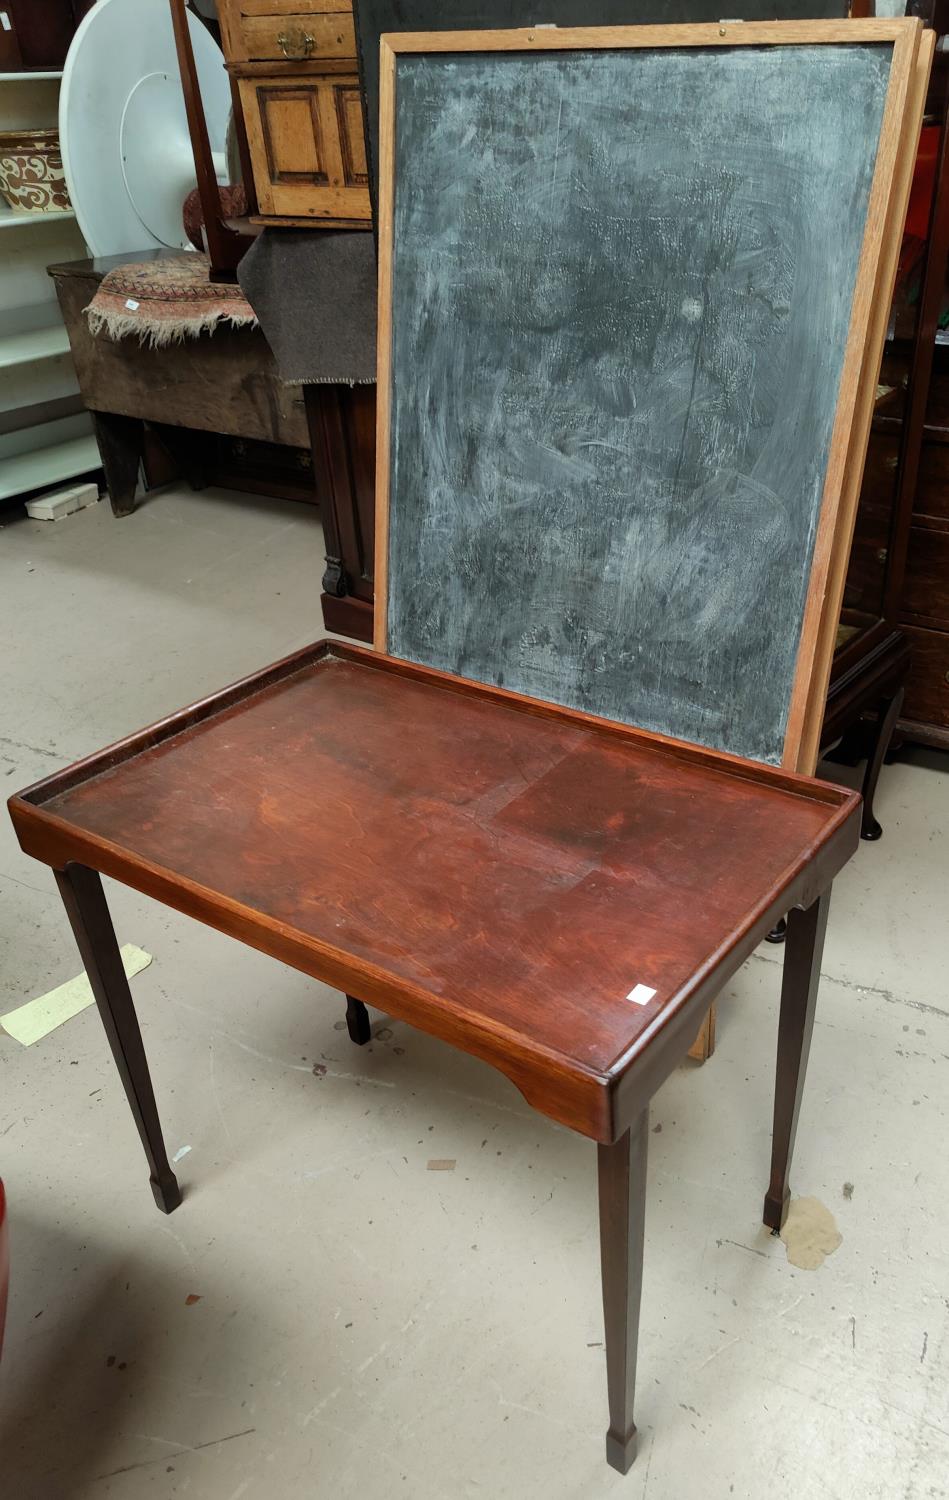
x: 873, y: 287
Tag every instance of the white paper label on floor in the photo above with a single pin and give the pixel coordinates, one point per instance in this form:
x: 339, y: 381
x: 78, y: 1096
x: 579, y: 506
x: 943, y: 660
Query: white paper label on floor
x: 131, y: 304
x: 640, y: 994
x: 37, y: 1018
x: 5, y: 21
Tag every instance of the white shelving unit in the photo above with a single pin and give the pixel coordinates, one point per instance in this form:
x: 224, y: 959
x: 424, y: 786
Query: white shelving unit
x: 29, y: 76
x: 19, y: 218
x: 32, y: 345
x: 54, y: 462
x: 39, y: 446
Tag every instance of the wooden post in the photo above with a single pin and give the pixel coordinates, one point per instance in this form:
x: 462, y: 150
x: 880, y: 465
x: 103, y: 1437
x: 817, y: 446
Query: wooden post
x: 224, y: 247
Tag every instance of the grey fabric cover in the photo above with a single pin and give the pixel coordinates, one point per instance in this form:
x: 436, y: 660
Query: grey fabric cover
x: 314, y: 292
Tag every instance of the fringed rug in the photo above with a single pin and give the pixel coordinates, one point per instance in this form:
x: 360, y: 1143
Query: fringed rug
x: 164, y: 301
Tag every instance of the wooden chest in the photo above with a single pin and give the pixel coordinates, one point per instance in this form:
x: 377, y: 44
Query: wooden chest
x: 294, y: 62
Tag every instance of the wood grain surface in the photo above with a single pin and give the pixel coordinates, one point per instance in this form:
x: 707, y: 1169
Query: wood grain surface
x: 500, y: 872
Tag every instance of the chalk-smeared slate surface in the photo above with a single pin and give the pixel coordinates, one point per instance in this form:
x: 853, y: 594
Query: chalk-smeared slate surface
x: 622, y: 288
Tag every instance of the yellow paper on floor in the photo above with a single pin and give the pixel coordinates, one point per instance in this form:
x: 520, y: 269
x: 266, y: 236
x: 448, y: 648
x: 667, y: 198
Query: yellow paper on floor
x: 28, y: 1023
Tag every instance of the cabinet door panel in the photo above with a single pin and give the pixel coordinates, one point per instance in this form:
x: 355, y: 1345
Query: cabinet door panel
x: 293, y: 135
x: 352, y: 140
x: 306, y: 146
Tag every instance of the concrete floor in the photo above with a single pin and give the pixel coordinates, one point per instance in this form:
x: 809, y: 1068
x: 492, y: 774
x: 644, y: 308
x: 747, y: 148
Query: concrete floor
x: 366, y: 1327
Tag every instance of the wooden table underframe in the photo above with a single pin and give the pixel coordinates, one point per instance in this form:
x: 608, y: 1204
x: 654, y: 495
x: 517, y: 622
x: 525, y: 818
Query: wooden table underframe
x: 505, y: 874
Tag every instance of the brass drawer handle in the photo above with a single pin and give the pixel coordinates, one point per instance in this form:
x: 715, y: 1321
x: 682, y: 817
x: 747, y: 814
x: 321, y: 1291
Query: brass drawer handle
x: 295, y: 43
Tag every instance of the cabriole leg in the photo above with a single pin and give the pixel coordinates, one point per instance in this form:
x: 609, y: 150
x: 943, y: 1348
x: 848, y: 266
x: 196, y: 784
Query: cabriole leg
x: 889, y: 713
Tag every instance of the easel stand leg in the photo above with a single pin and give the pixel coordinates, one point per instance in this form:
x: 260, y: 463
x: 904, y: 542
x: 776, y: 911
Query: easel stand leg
x: 622, y: 1186
x: 704, y: 1044
x: 357, y: 1019
x: 84, y: 899
x: 802, y: 959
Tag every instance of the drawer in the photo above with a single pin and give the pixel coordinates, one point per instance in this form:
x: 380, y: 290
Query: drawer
x: 307, y: 146
x: 927, y: 686
x: 932, y: 485
x: 926, y: 587
x: 278, y: 31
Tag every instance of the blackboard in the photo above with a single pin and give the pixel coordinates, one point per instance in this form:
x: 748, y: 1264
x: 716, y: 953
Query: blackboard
x: 621, y: 293
x: 375, y: 17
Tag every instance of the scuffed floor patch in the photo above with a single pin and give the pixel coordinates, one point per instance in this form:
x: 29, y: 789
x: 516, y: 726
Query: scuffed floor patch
x: 810, y: 1233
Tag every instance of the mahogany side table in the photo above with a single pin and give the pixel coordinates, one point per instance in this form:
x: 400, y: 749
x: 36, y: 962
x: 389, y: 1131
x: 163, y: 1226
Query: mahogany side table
x: 556, y: 894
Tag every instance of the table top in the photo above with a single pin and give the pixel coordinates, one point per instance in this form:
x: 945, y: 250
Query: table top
x: 547, y: 890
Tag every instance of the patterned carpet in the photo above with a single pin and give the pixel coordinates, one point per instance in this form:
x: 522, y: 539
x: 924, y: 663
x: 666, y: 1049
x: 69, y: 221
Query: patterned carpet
x: 164, y: 301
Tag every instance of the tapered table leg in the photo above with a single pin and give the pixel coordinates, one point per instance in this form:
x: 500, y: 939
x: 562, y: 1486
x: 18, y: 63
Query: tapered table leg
x: 704, y: 1044
x: 357, y: 1019
x: 802, y: 959
x: 622, y: 1188
x: 84, y: 899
